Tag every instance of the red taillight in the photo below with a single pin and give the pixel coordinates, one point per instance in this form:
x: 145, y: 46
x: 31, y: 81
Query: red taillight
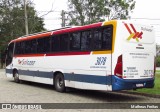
x: 118, y: 68
x: 119, y: 59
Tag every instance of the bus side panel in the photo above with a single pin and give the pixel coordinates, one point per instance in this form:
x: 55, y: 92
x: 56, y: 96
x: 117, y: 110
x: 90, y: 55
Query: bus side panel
x: 83, y: 71
x: 90, y: 71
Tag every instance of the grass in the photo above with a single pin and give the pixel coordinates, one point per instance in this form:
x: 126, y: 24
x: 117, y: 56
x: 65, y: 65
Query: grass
x: 156, y: 89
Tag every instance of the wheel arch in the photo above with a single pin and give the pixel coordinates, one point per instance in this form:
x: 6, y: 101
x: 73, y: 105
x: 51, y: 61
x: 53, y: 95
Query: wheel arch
x: 55, y: 73
x: 14, y: 70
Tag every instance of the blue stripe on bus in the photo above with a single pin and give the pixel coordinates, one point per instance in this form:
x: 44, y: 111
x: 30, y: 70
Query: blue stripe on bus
x: 36, y: 73
x: 32, y: 73
x: 116, y: 82
x: 88, y: 78
x: 104, y: 80
x: 9, y: 71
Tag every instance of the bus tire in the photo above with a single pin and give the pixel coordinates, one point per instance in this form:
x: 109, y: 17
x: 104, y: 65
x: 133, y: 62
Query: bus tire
x: 59, y: 82
x: 16, y: 77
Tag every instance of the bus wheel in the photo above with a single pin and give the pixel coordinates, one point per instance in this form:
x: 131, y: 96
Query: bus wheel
x: 59, y: 82
x: 16, y: 77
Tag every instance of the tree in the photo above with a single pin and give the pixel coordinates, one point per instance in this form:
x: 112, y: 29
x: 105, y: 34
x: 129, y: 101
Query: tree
x: 83, y: 12
x: 12, y: 19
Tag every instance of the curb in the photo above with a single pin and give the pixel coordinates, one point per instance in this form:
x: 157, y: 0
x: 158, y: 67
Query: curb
x: 142, y: 94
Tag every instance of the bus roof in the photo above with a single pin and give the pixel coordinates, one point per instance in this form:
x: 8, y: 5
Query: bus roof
x: 56, y: 31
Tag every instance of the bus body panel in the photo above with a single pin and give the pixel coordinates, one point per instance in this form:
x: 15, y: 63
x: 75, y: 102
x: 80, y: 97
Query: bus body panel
x: 82, y: 76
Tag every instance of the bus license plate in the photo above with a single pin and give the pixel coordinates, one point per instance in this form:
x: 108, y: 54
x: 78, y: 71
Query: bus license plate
x: 139, y: 85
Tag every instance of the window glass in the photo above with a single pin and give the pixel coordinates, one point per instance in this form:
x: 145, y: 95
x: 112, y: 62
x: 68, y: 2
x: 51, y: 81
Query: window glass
x: 33, y: 48
x: 55, y: 43
x: 85, y: 40
x: 43, y: 45
x: 18, y: 48
x: 102, y: 38
x: 27, y: 47
x: 64, y: 42
x: 75, y: 41
x: 107, y: 38
x: 9, y: 54
x: 97, y: 39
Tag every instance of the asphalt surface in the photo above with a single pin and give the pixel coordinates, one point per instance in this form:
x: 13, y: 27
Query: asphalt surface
x: 27, y: 92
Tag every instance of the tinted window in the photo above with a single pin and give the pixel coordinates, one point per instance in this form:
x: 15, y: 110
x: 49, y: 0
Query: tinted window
x: 102, y: 38
x: 9, y: 54
x: 34, y: 46
x: 26, y: 47
x: 64, y: 42
x: 43, y: 45
x: 97, y: 39
x: 75, y: 41
x: 107, y: 38
x: 20, y: 48
x: 86, y: 40
x: 55, y: 43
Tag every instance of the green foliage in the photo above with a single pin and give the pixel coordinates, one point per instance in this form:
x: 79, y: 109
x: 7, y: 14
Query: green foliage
x: 12, y: 20
x: 158, y: 61
x: 155, y: 90
x: 83, y: 12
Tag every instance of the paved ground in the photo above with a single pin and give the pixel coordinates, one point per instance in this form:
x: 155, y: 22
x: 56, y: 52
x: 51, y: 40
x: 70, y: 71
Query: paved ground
x: 27, y: 92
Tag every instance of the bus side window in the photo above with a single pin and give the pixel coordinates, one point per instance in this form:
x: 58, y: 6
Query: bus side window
x: 18, y: 48
x: 86, y: 40
x: 55, y: 43
x: 64, y: 42
x: 43, y: 45
x: 75, y: 41
x: 22, y: 47
x: 34, y: 46
x: 97, y: 39
x: 30, y: 46
x: 107, y: 38
x: 9, y: 54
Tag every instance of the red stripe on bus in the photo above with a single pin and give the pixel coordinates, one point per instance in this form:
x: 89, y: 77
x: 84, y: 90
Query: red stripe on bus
x: 79, y: 28
x: 29, y: 55
x: 54, y: 54
x: 32, y: 37
x: 68, y: 53
x: 62, y: 31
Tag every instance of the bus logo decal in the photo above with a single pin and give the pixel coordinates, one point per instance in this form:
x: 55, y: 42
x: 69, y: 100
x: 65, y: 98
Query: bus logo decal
x: 133, y: 35
x: 101, y: 61
x: 26, y: 62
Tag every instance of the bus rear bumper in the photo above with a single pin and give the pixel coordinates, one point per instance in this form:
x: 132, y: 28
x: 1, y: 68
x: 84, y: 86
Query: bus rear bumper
x: 128, y: 84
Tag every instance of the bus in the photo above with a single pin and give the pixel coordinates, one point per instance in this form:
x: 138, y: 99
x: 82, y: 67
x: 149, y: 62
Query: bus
x: 111, y: 56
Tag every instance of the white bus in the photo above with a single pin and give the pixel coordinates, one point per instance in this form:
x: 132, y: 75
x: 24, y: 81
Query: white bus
x: 112, y: 55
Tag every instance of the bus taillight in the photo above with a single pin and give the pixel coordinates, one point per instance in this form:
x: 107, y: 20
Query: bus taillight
x: 118, y: 68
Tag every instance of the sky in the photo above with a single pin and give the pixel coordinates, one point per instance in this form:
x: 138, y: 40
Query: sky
x: 147, y: 11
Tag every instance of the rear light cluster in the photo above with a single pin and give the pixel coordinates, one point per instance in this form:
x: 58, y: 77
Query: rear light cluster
x: 118, y: 68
